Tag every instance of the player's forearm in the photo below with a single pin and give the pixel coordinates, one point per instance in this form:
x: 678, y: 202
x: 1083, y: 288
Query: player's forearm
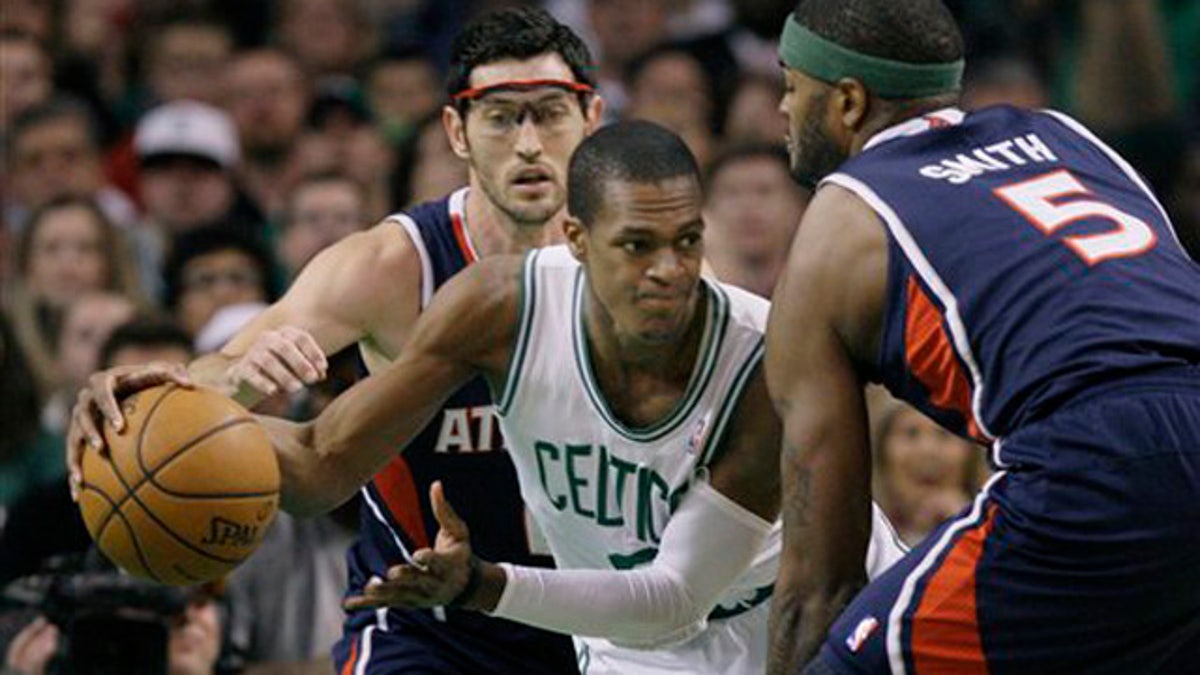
x: 826, y: 531
x: 312, y: 482
x: 708, y: 544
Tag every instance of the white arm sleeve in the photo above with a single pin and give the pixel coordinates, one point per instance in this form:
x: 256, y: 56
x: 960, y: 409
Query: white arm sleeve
x: 709, y: 541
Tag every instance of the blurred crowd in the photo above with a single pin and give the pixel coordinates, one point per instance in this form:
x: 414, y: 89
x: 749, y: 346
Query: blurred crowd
x: 169, y: 166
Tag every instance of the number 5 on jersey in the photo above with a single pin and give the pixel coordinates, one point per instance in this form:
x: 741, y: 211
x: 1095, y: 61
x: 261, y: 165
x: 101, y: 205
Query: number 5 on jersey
x: 1040, y: 201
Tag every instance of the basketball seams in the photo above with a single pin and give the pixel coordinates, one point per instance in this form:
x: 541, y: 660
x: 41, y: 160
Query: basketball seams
x: 114, y: 512
x: 133, y: 485
x: 117, y: 470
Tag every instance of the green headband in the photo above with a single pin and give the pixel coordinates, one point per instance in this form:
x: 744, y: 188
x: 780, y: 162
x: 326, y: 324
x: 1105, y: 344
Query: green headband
x: 804, y: 50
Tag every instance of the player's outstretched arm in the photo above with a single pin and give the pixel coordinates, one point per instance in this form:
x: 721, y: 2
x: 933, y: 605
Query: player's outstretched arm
x: 823, y: 327
x: 467, y: 330
x: 711, y: 539
x: 337, y: 300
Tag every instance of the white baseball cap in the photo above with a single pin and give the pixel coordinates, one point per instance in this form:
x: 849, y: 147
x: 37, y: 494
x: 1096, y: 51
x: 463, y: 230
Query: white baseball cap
x: 188, y: 128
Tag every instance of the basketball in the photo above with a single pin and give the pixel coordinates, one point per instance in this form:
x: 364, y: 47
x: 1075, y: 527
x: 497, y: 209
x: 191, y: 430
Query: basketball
x: 188, y: 490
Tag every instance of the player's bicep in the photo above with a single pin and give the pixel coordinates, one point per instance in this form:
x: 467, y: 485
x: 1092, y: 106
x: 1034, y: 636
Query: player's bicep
x: 747, y: 469
x: 348, y: 292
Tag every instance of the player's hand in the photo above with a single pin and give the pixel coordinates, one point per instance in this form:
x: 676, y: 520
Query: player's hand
x: 97, y: 404
x: 284, y: 359
x: 437, y: 577
x: 31, y: 650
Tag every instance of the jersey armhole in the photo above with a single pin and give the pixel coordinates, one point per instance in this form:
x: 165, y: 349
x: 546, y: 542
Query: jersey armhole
x: 527, y: 303
x: 714, y: 445
x: 414, y: 235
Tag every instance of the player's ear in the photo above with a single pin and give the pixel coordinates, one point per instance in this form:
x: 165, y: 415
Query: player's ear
x: 576, y: 233
x: 853, y: 103
x: 456, y: 130
x: 593, y: 113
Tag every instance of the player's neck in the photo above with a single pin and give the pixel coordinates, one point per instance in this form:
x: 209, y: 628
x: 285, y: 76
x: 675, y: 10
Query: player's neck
x: 641, y: 383
x: 609, y: 348
x: 494, y: 232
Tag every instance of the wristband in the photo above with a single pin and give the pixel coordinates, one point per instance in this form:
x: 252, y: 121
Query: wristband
x: 474, y: 579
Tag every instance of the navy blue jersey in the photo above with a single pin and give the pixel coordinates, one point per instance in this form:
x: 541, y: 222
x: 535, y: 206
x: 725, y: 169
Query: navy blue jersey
x: 1028, y: 263
x: 462, y: 446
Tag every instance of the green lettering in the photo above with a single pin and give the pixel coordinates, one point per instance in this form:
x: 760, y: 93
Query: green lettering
x: 551, y: 451
x: 648, y: 481
x: 624, y: 470
x: 575, y: 482
x: 602, y: 516
x: 632, y: 560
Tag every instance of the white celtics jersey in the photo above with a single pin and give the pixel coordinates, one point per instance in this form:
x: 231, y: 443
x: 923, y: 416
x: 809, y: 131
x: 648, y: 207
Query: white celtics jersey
x: 601, y: 491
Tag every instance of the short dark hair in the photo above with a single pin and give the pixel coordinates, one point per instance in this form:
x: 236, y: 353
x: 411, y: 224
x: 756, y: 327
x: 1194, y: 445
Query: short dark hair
x: 733, y: 154
x: 915, y: 31
x: 144, y: 331
x: 636, y: 151
x: 515, y: 33
x: 211, y: 239
x: 60, y: 107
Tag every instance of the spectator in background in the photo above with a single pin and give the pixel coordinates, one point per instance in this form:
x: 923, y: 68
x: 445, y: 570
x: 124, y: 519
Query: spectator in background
x: 193, y: 647
x: 752, y: 209
x: 754, y: 115
x: 670, y: 87
x: 402, y: 89
x: 321, y: 209
x: 623, y: 30
x: 25, y: 541
x: 342, y: 138
x: 33, y: 17
x: 427, y: 167
x: 186, y: 57
x: 327, y: 37
x: 188, y: 155
x: 923, y: 473
x: 88, y: 321
x: 69, y: 248
x: 215, y: 267
x: 22, y: 463
x: 25, y: 75
x: 54, y: 152
x: 269, y: 99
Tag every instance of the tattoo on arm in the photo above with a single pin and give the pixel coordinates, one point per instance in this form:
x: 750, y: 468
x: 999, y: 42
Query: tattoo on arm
x: 797, y: 491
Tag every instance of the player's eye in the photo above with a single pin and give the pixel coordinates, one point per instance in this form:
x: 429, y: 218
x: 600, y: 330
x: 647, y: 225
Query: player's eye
x: 635, y: 247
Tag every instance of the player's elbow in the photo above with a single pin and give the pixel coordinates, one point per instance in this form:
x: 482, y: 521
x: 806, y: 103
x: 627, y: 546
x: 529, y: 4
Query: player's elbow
x: 309, y: 486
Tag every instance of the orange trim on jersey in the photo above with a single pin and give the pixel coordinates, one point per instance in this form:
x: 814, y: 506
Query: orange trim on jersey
x: 396, y: 486
x: 460, y: 235
x: 930, y: 356
x: 945, y: 627
x: 348, y: 667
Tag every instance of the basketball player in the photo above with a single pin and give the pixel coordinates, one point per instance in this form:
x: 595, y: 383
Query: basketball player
x: 636, y: 411
x: 1012, y: 277
x: 521, y: 90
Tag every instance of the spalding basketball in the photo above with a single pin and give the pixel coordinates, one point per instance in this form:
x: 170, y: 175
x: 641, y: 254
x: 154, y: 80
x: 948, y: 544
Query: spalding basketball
x: 188, y: 488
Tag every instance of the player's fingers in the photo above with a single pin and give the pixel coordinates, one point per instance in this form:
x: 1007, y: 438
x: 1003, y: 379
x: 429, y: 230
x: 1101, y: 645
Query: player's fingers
x: 270, y: 366
x: 307, y: 345
x: 247, y: 374
x: 447, y: 517
x: 153, y: 375
x: 103, y: 389
x: 297, y: 361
